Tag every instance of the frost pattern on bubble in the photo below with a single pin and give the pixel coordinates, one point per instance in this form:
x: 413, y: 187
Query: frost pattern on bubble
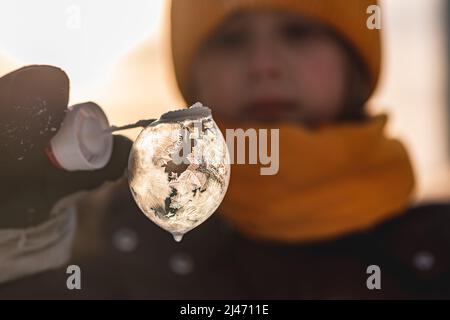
x: 179, y: 173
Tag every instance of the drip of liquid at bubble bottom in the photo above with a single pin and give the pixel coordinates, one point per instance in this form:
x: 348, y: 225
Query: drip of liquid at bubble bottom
x: 177, y: 236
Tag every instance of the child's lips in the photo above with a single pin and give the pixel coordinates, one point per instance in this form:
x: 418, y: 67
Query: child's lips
x: 270, y: 109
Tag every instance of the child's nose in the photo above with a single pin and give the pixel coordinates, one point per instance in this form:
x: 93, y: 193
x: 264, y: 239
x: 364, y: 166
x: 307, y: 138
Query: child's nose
x: 264, y: 62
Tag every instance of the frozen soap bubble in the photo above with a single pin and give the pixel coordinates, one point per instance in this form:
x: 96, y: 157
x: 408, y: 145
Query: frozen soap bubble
x: 179, y: 169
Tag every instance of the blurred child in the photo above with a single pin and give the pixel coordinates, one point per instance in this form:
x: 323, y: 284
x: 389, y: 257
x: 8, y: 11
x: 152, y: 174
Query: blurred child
x: 308, y: 68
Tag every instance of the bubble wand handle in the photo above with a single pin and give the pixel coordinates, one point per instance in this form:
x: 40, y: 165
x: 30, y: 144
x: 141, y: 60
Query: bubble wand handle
x: 140, y: 123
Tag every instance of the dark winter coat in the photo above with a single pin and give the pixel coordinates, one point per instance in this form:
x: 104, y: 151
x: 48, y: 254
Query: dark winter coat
x: 130, y: 257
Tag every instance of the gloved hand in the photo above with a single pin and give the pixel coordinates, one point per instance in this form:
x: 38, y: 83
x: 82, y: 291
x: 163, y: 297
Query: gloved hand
x: 33, y: 103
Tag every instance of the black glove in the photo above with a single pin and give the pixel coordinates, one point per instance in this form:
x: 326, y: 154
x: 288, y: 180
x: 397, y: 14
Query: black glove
x: 33, y: 103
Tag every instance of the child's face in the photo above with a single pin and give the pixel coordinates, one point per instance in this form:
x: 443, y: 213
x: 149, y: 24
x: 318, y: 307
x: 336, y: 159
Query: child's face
x: 271, y: 66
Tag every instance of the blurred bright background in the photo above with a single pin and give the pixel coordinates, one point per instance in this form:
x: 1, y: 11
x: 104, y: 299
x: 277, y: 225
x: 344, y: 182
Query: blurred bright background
x: 116, y: 54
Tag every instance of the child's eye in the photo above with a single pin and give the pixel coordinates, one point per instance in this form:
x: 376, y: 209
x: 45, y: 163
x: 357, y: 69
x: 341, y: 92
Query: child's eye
x: 298, y: 32
x: 229, y: 40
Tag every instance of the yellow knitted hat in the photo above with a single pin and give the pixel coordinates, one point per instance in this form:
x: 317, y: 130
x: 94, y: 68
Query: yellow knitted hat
x: 192, y: 21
